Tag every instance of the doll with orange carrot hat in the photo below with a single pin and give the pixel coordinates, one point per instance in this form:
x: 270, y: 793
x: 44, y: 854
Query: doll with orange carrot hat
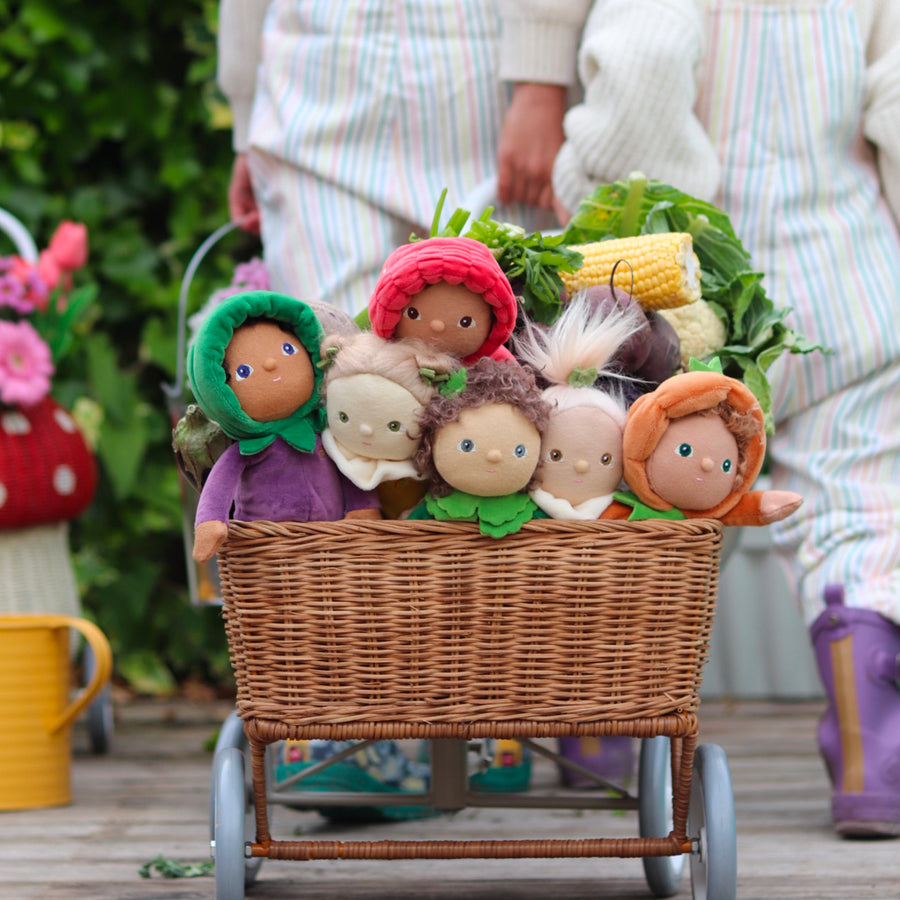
x: 693, y: 448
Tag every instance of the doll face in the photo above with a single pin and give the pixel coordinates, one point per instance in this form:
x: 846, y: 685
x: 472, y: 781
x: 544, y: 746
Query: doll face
x: 450, y: 317
x: 490, y: 451
x: 373, y: 416
x: 269, y: 371
x: 582, y: 454
x: 694, y: 465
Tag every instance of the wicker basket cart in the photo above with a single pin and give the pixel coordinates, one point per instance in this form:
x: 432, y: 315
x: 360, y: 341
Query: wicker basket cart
x: 393, y: 629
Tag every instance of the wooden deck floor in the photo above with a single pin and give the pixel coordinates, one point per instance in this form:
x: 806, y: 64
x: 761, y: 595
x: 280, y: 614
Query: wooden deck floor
x: 149, y: 797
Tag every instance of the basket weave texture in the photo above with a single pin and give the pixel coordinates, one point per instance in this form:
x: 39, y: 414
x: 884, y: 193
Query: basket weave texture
x: 365, y: 623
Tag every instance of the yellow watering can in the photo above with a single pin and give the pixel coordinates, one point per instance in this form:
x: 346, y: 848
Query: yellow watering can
x: 36, y: 712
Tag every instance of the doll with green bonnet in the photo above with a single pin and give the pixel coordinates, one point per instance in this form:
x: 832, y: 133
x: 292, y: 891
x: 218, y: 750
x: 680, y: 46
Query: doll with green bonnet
x: 481, y: 443
x: 254, y: 369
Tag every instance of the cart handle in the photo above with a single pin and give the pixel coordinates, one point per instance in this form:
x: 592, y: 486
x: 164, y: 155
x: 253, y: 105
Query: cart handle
x: 174, y: 391
x: 19, y: 235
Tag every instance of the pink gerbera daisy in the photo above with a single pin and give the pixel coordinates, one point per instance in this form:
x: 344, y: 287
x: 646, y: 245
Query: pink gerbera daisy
x: 25, y: 365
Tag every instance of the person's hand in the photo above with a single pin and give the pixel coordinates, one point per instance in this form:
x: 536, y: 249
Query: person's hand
x: 241, y: 199
x: 531, y: 136
x: 208, y: 537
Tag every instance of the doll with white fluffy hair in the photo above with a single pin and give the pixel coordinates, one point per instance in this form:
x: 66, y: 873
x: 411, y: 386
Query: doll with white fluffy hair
x: 581, y: 449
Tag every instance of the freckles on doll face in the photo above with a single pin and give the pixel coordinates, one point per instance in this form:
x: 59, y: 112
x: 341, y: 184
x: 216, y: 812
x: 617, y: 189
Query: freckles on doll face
x: 450, y: 317
x: 490, y: 451
x: 582, y: 454
x: 694, y: 465
x: 373, y: 416
x: 269, y: 371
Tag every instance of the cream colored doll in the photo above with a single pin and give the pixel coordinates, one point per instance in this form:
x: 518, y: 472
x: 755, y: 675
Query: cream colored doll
x: 581, y: 448
x: 374, y: 390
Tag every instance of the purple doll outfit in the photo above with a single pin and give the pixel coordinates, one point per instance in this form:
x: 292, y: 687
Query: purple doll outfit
x: 280, y: 484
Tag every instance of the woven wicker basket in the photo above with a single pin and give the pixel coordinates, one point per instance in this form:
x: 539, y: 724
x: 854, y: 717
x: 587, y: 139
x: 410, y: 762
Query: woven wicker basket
x: 429, y: 629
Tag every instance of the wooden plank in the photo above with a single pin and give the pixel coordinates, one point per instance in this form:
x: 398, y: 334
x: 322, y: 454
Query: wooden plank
x: 149, y: 797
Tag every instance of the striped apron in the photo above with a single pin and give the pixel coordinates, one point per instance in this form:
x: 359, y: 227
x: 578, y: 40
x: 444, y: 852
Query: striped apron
x: 783, y: 98
x: 365, y: 111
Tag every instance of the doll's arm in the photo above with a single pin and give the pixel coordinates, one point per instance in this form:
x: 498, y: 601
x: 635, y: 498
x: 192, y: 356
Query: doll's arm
x: 371, y: 513
x: 762, y: 508
x: 208, y: 537
x: 359, y: 503
x: 214, y: 506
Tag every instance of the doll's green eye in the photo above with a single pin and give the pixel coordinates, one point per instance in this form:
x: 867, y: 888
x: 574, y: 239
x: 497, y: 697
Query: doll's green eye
x: 726, y: 466
x: 521, y: 451
x: 394, y: 426
x: 343, y: 417
x: 467, y: 445
x: 243, y: 371
x: 606, y: 459
x: 466, y: 322
x: 555, y: 456
x: 685, y: 450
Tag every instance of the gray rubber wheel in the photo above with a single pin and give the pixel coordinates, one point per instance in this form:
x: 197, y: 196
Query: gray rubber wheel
x: 100, y: 721
x: 231, y: 735
x: 230, y: 814
x: 663, y: 873
x: 711, y: 827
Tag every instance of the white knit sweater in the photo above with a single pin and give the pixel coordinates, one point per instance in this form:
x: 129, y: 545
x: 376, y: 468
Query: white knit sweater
x: 639, y: 106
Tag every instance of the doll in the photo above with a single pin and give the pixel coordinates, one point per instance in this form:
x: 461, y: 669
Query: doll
x: 581, y: 449
x: 481, y: 442
x: 253, y: 369
x: 693, y: 447
x: 374, y: 390
x: 450, y: 293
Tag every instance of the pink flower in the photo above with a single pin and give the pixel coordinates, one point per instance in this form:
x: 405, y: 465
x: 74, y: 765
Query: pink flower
x: 252, y: 275
x: 25, y: 365
x: 69, y: 246
x: 49, y: 269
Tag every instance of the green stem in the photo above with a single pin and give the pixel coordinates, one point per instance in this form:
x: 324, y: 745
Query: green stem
x: 631, y: 208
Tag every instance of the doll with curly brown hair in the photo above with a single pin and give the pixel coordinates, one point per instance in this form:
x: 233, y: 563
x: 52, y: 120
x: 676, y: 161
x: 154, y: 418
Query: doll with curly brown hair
x: 480, y: 450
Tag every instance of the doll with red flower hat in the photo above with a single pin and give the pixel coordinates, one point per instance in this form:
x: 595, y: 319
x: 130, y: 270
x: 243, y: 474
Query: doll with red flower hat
x: 449, y: 292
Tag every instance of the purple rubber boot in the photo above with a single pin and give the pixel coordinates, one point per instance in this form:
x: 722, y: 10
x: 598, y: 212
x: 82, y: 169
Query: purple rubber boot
x: 858, y: 655
x: 611, y: 758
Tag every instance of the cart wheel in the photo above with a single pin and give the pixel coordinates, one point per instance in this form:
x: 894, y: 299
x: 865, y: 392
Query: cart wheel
x: 100, y: 711
x: 663, y: 873
x: 232, y: 736
x: 711, y: 827
x: 230, y: 819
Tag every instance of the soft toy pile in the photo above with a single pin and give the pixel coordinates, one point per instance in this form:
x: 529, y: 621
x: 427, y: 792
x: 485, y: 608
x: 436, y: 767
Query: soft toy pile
x: 455, y: 407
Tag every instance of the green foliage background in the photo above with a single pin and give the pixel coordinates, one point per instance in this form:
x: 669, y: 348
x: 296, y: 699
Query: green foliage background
x: 109, y: 115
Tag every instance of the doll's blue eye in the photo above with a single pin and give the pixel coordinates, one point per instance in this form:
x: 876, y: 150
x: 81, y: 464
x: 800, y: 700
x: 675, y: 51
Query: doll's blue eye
x: 685, y: 450
x: 394, y: 426
x: 521, y: 451
x: 467, y: 445
x: 343, y: 417
x: 466, y: 322
x: 726, y: 466
x: 288, y: 349
x: 243, y: 371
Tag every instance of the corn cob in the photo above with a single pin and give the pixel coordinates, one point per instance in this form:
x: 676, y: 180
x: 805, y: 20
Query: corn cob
x: 666, y: 269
